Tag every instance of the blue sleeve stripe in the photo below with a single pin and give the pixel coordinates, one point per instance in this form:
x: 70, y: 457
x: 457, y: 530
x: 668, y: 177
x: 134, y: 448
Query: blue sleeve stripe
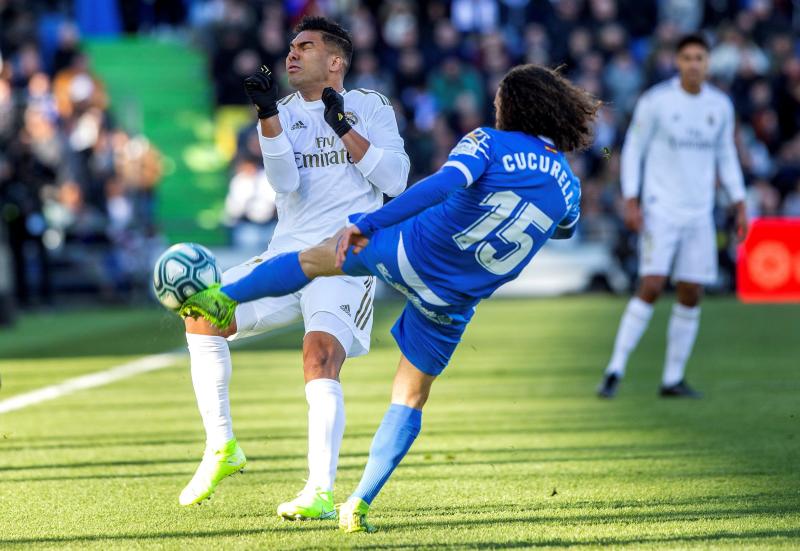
x: 461, y: 167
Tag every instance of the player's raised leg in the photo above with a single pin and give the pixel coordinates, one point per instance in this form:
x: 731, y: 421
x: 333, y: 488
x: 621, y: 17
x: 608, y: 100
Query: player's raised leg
x: 211, y: 372
x: 278, y: 276
x: 398, y: 430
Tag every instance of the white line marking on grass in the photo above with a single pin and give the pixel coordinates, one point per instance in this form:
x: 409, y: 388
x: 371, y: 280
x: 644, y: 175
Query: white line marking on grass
x: 100, y: 378
x: 142, y: 365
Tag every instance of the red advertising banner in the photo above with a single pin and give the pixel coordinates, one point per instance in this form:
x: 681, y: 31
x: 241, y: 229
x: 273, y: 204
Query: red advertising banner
x: 768, y: 267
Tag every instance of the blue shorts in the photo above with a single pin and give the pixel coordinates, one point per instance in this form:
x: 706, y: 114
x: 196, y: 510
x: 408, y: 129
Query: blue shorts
x: 429, y: 330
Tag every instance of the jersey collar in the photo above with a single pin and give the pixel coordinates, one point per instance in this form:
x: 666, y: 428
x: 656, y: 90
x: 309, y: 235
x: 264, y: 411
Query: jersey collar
x: 676, y: 83
x: 316, y: 104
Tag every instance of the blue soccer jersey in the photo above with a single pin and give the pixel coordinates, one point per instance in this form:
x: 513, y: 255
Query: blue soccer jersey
x: 519, y: 190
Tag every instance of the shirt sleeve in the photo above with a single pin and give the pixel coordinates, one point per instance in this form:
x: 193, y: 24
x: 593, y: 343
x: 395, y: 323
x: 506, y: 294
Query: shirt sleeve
x: 566, y: 228
x: 637, y: 139
x: 385, y: 164
x: 471, y: 155
x: 279, y: 163
x: 424, y: 194
x: 730, y: 171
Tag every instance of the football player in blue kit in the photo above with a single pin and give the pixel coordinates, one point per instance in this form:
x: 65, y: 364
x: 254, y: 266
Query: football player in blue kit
x: 446, y: 243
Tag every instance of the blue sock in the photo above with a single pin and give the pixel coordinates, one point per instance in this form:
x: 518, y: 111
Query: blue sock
x: 398, y: 430
x: 278, y: 276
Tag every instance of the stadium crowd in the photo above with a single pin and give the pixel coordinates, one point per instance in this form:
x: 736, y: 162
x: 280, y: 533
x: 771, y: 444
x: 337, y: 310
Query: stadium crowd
x: 75, y: 191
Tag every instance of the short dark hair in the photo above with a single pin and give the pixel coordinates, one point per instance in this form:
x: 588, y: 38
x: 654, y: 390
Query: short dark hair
x: 696, y: 39
x: 541, y: 102
x: 332, y: 33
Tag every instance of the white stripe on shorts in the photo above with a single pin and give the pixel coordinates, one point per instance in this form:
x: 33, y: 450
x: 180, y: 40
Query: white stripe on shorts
x: 412, y: 279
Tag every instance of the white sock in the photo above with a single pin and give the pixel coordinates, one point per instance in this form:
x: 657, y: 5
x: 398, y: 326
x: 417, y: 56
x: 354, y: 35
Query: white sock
x: 681, y: 334
x: 211, y: 375
x: 631, y: 328
x: 325, y: 431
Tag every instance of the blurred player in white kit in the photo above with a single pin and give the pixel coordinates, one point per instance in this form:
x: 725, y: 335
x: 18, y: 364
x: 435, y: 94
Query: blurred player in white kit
x: 680, y: 139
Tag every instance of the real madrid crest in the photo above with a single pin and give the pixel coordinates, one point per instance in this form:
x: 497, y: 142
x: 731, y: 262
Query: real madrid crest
x: 351, y: 118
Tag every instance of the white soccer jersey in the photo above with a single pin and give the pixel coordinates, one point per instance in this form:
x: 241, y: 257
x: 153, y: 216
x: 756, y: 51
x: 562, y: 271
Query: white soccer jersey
x: 683, y: 139
x: 316, y: 181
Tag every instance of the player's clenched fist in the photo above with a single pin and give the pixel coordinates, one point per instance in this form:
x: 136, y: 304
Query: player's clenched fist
x: 334, y: 111
x: 262, y: 91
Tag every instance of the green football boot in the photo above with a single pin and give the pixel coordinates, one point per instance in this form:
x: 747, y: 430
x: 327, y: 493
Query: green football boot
x: 212, y: 304
x: 353, y: 516
x: 215, y: 466
x: 310, y: 504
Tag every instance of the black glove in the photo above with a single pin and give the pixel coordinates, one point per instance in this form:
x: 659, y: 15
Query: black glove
x: 334, y: 111
x: 262, y: 91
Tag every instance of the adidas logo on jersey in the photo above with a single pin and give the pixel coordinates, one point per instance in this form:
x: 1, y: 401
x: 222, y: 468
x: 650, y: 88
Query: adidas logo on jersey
x: 298, y: 125
x: 345, y: 308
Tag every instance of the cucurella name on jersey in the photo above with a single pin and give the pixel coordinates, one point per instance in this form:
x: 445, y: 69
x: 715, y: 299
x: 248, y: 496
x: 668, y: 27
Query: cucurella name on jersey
x: 521, y: 161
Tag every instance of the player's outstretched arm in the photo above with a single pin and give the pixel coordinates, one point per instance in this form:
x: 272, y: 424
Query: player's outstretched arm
x: 426, y: 193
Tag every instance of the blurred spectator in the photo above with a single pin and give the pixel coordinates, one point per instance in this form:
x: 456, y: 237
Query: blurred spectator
x: 250, y: 206
x: 75, y: 194
x: 457, y: 84
x: 250, y: 211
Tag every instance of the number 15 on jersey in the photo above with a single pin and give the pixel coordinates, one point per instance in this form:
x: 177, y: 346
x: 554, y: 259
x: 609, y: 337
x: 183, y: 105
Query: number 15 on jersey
x: 503, y: 206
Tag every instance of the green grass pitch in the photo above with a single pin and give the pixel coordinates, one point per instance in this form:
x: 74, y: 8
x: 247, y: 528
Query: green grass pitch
x: 515, y: 450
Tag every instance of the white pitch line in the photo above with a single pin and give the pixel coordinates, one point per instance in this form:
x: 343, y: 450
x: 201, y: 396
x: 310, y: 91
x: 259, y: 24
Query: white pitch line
x: 100, y: 378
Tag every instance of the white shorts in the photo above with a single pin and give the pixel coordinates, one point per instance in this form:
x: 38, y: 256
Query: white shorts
x: 687, y: 250
x: 341, y: 306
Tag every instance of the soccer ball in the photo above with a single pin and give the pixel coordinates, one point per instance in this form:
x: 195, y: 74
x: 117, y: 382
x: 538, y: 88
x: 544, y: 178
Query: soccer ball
x: 181, y: 271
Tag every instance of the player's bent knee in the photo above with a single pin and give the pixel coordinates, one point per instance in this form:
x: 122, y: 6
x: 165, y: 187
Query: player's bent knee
x: 323, y: 356
x: 651, y: 288
x: 689, y: 294
x: 411, y: 386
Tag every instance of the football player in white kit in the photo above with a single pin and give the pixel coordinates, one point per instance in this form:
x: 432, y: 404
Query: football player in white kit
x: 682, y: 129
x: 328, y: 153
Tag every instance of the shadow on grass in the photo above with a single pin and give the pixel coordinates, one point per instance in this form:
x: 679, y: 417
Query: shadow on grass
x: 421, y: 458
x: 132, y: 332
x: 718, y: 536
x: 164, y: 535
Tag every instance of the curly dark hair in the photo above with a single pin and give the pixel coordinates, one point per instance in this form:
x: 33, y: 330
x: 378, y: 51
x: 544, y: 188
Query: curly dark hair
x: 332, y: 33
x: 540, y: 102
